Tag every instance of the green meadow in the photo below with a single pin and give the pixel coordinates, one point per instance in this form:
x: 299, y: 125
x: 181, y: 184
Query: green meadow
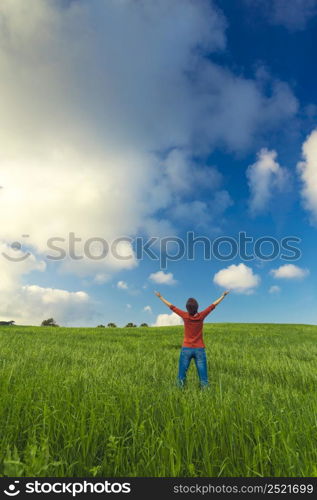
x: 103, y: 402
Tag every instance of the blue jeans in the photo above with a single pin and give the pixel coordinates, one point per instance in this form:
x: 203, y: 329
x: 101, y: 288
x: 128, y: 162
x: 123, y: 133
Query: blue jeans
x: 199, y: 355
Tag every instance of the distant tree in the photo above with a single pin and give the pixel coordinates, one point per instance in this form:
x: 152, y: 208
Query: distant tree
x: 101, y: 326
x: 49, y: 322
x: 6, y: 323
x: 111, y: 325
x: 130, y: 325
x: 144, y: 324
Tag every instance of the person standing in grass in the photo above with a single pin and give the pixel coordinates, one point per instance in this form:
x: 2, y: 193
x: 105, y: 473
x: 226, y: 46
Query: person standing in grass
x: 193, y: 345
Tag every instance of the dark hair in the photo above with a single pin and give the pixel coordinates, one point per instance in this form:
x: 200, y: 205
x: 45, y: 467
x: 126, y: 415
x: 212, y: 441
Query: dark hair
x: 192, y: 306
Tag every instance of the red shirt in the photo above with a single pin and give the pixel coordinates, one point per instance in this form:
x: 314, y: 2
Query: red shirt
x: 193, y: 334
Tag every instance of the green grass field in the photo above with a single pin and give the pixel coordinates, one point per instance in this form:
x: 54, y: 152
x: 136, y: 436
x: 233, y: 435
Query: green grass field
x: 103, y: 402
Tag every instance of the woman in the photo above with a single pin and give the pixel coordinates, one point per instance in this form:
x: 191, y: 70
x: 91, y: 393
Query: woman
x: 193, y: 344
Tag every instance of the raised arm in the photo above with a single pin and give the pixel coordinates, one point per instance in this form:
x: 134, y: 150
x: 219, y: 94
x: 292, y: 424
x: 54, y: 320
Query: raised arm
x: 212, y: 306
x: 177, y: 311
x: 220, y: 298
x: 166, y: 302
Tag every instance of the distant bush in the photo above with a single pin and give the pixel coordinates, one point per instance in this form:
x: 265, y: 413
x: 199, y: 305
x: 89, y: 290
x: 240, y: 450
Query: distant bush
x: 101, y: 326
x: 6, y: 323
x: 111, y: 325
x: 49, y: 322
x: 130, y: 325
x: 144, y: 324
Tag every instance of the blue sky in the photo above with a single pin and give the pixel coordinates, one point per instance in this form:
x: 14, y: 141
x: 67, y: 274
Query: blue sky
x: 146, y: 119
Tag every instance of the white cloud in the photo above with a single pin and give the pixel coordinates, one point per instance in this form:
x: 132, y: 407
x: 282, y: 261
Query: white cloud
x: 183, y: 174
x: 289, y: 271
x: 168, y: 320
x: 129, y: 306
x: 202, y: 213
x: 162, y: 278
x: 274, y: 289
x: 101, y: 278
x: 293, y: 14
x: 308, y: 172
x: 242, y: 107
x: 239, y: 278
x: 29, y: 303
x: 266, y: 177
x: 148, y: 309
x: 11, y: 270
x: 54, y: 295
x: 91, y: 261
x: 41, y: 303
x: 122, y: 285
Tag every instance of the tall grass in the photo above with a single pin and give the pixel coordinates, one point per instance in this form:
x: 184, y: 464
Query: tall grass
x: 93, y: 402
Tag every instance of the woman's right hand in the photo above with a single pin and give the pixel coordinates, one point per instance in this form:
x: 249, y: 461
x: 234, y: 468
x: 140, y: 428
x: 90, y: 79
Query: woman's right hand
x: 158, y: 294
